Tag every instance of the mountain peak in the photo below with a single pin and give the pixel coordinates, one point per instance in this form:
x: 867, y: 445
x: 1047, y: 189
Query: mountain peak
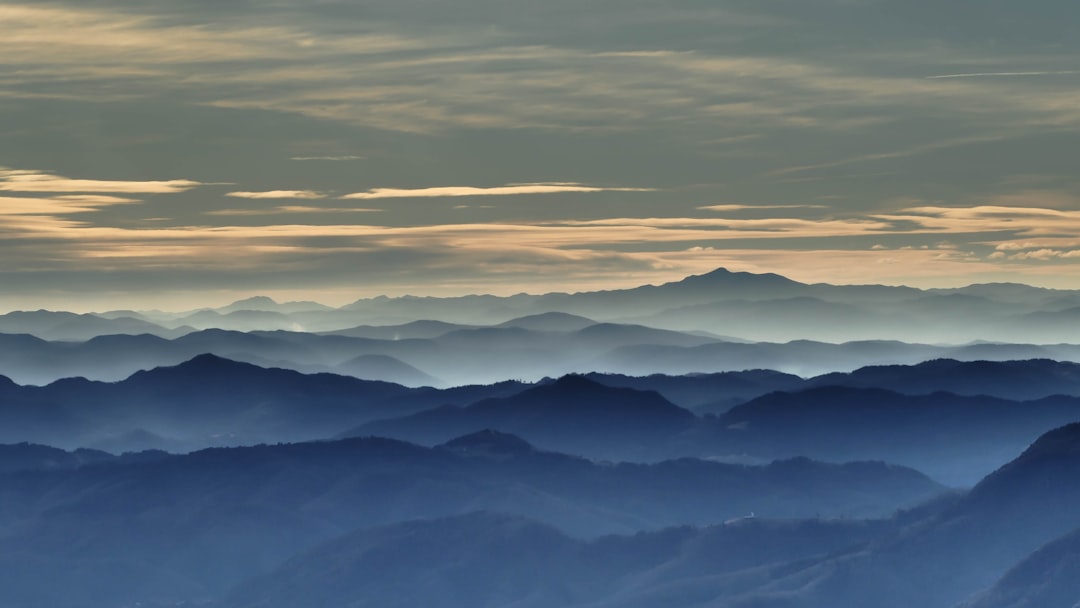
x: 209, y: 360
x: 576, y: 381
x: 489, y: 441
x: 550, y: 321
x: 206, y: 365
x: 1045, y: 473
x: 768, y: 283
x: 256, y: 300
x: 725, y: 274
x: 579, y: 394
x: 7, y: 383
x: 1063, y: 442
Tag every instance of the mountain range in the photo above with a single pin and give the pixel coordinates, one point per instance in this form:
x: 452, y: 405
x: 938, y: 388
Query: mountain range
x: 749, y: 417
x: 1008, y: 543
x: 273, y: 526
x: 192, y: 526
x: 762, y: 307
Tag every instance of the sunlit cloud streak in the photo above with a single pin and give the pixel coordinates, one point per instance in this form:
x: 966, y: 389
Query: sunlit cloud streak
x: 507, y: 190
x: 19, y: 180
x: 343, y: 158
x: 1005, y: 74
x: 278, y: 194
x: 288, y: 209
x: 743, y: 207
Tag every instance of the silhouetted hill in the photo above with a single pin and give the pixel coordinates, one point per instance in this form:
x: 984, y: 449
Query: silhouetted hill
x: 266, y: 304
x: 959, y: 549
x: 1047, y: 472
x: 387, y: 369
x: 208, y: 400
x: 414, y: 330
x: 1048, y: 578
x: 503, y: 561
x: 608, y: 336
x: 31, y: 457
x: 489, y: 443
x: 58, y: 325
x: 550, y: 321
x: 572, y: 414
x: 6, y: 384
x: 507, y: 559
x: 707, y: 393
x: 240, y: 320
x: 778, y: 319
x: 804, y: 358
x: 1030, y: 379
x: 956, y: 439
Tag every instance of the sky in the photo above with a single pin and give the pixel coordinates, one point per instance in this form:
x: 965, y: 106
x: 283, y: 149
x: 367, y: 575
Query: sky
x: 167, y: 153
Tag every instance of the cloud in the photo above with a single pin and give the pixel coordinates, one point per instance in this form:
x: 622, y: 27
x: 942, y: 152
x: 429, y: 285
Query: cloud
x: 507, y: 190
x: 99, y: 199
x: 1005, y: 74
x: 278, y: 194
x: 916, y: 150
x: 476, y: 76
x: 17, y: 180
x: 50, y: 207
x: 743, y: 207
x: 287, y: 209
x: 988, y: 219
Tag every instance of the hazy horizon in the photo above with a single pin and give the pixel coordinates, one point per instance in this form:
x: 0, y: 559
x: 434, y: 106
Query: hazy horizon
x: 189, y: 301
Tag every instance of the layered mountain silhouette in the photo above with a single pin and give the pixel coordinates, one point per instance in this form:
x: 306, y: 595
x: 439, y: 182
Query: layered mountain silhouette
x: 481, y: 355
x: 211, y: 401
x: 674, y: 328
x: 728, y: 440
x: 962, y: 548
x: 946, y: 553
x: 1048, y: 578
x: 572, y: 414
x: 205, y: 401
x: 956, y: 439
x: 193, y: 526
x: 1028, y: 379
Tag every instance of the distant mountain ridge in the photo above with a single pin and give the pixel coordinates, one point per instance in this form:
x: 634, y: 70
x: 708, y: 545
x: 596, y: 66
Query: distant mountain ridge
x: 570, y: 414
x: 751, y: 306
x: 441, y: 354
x: 748, y: 417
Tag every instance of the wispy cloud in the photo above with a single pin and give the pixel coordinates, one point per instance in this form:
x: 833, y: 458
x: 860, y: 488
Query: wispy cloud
x: 278, y: 194
x: 1005, y: 74
x: 910, y: 151
x: 285, y: 209
x: 18, y: 180
x: 50, y: 207
x: 100, y: 199
x: 507, y: 190
x: 745, y: 207
x: 346, y: 157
